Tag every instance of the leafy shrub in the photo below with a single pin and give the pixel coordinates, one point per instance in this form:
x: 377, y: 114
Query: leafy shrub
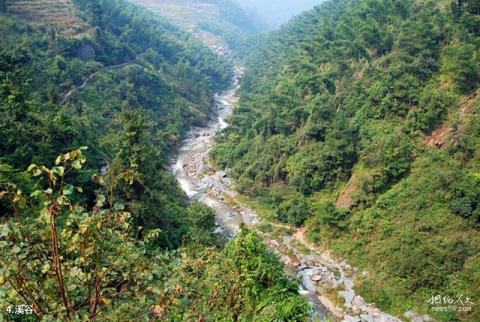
x: 82, y: 263
x: 432, y: 110
x: 465, y: 198
x: 460, y: 64
x: 330, y: 215
x: 294, y: 210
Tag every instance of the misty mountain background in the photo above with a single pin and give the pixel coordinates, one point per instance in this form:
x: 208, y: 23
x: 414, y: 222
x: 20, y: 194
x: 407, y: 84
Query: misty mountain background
x: 277, y: 12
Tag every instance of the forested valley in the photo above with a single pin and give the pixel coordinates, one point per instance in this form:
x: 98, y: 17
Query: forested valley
x: 95, y: 96
x: 359, y: 121
x: 356, y: 135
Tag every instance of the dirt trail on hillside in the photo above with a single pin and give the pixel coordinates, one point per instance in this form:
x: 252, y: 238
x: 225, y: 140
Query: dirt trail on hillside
x: 66, y: 96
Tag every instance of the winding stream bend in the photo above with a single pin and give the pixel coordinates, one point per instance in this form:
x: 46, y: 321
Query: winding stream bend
x: 317, y: 271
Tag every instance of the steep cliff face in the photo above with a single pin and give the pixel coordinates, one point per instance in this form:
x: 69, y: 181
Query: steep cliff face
x: 344, y: 106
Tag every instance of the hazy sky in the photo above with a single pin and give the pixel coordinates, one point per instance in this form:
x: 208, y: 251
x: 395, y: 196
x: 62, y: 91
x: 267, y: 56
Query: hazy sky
x: 276, y: 12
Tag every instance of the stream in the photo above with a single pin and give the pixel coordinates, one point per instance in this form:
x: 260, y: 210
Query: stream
x: 318, y: 273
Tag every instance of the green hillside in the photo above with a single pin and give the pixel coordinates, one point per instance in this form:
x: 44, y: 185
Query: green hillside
x: 359, y: 120
x: 94, y: 98
x: 61, y: 15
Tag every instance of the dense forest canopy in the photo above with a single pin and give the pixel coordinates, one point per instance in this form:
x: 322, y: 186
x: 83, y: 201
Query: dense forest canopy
x: 94, y: 98
x: 359, y: 120
x: 164, y: 83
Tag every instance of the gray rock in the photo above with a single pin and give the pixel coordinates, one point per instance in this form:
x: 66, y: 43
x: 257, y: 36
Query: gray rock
x: 359, y: 301
x: 422, y: 318
x: 409, y: 314
x: 316, y: 278
x: 349, y: 318
x: 348, y: 282
x: 412, y: 316
x: 274, y: 243
x: 368, y: 318
x: 349, y: 297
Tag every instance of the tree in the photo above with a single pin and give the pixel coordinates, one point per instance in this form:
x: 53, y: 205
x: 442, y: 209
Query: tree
x: 244, y: 282
x: 294, y: 210
x: 331, y: 216
x: 67, y: 261
x: 200, y: 220
x: 465, y: 199
x: 460, y: 64
x: 319, y: 164
x: 261, y: 282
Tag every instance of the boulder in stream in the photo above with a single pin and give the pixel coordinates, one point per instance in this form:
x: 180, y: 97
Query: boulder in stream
x: 316, y: 278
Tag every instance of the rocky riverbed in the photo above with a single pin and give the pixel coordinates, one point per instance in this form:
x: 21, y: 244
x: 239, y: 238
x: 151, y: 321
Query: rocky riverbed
x: 329, y: 284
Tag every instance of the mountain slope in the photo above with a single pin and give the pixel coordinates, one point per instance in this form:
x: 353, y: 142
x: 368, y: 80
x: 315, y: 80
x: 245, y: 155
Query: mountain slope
x: 215, y: 22
x: 92, y: 224
x: 62, y: 15
x: 60, y: 93
x: 330, y: 130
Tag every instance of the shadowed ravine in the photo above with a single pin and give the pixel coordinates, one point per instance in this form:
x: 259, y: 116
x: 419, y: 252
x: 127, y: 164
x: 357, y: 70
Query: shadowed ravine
x: 316, y: 270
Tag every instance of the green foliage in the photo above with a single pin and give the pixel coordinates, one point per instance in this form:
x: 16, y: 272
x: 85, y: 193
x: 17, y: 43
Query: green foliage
x: 245, y: 20
x: 131, y: 90
x: 175, y: 76
x: 327, y: 222
x: 320, y: 164
x: 244, y: 282
x: 294, y: 210
x: 336, y: 106
x: 200, y: 221
x: 397, y: 158
x: 465, y: 200
x: 283, y: 204
x: 262, y: 283
x: 123, y: 246
x: 75, y: 262
x: 467, y: 13
x: 460, y: 64
x: 220, y: 22
x: 328, y: 214
x: 316, y: 67
x: 234, y: 24
x: 68, y: 261
x: 432, y: 109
